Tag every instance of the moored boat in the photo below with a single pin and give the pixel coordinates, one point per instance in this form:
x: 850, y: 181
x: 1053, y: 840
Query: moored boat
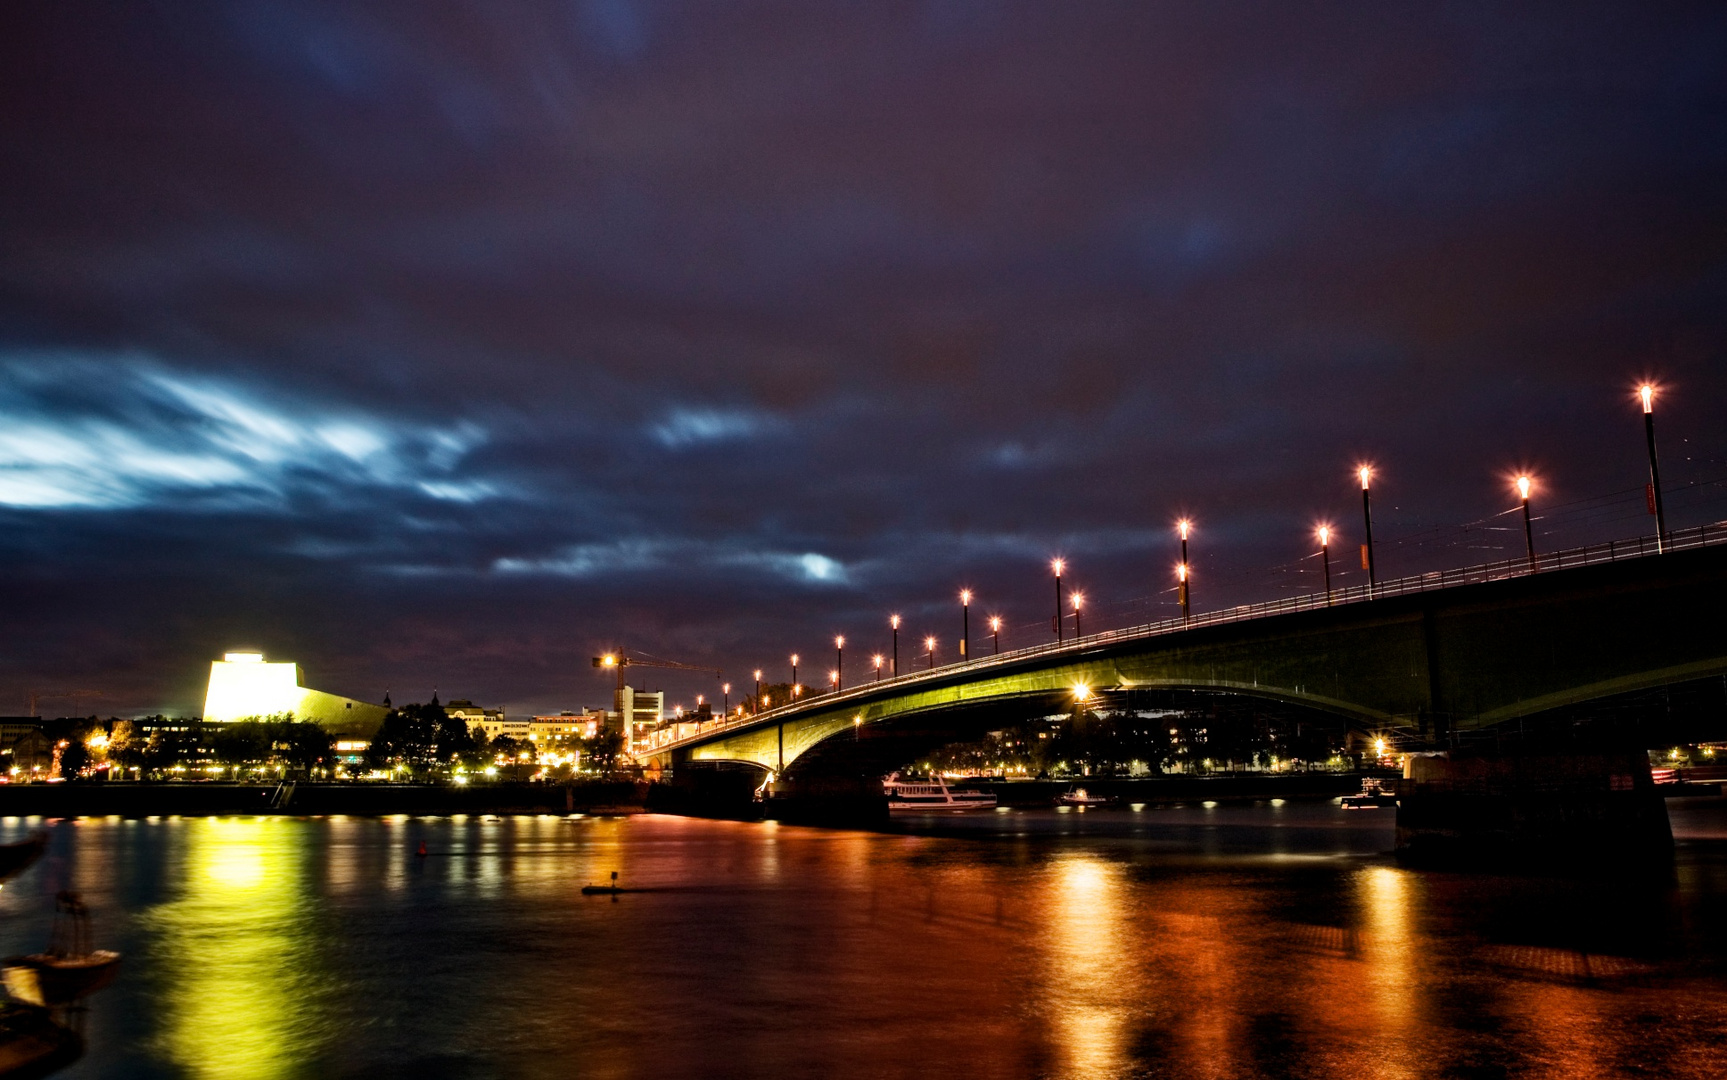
x: 68, y: 969
x: 933, y: 796
x: 1080, y: 797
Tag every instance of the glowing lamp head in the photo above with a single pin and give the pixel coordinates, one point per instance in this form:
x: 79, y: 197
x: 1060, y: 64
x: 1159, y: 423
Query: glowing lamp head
x: 794, y: 658
x: 1081, y: 692
x: 839, y: 641
x: 857, y: 720
x: 725, y: 688
x: 699, y: 699
x: 758, y: 674
x: 834, y: 677
x: 893, y: 621
x: 1183, y: 525
x: 1078, y: 600
x: 929, y: 644
x: 608, y: 660
x: 1523, y: 487
x: 1324, y: 535
x: 995, y: 622
x: 965, y: 596
x: 877, y: 661
x: 1181, y: 571
x: 1647, y: 393
x: 1365, y: 472
x: 1058, y: 565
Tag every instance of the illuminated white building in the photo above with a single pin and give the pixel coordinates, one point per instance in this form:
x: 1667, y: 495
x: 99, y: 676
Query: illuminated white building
x: 244, y: 687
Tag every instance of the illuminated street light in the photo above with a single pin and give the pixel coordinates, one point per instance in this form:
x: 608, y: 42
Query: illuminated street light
x: 1181, y: 587
x: 1656, y: 507
x: 1325, y: 559
x: 839, y: 661
x: 726, y: 704
x: 834, y: 677
x: 758, y: 674
x: 796, y: 689
x: 876, y: 662
x: 964, y: 625
x: 995, y: 632
x: 1365, y: 472
x: 857, y: 727
x: 1528, y: 528
x: 1078, y: 602
x: 1058, y: 566
x: 894, y: 622
x: 1186, y: 586
x: 929, y: 647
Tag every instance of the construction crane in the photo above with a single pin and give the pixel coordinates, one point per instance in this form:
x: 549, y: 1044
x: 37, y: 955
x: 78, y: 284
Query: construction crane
x: 619, y: 661
x: 60, y: 695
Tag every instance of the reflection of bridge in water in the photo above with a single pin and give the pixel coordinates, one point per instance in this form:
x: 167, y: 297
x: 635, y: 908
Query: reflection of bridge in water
x: 1427, y: 656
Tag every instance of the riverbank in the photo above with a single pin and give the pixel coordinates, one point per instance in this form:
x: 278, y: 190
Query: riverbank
x: 1241, y: 787
x: 307, y: 799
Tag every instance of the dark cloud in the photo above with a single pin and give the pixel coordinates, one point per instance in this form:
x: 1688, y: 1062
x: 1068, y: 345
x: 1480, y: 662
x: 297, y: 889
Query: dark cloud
x: 439, y: 345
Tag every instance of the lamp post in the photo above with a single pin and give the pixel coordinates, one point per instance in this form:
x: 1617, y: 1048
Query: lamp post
x: 1078, y: 602
x: 876, y: 662
x: 1325, y: 559
x: 839, y: 661
x: 964, y: 625
x: 758, y: 675
x: 834, y: 677
x: 726, y: 704
x: 894, y: 622
x: 1181, y: 587
x: 1528, y: 527
x: 795, y: 688
x: 1647, y: 393
x: 1058, y: 566
x: 1186, y: 586
x: 995, y: 633
x: 1366, y: 474
x: 929, y: 647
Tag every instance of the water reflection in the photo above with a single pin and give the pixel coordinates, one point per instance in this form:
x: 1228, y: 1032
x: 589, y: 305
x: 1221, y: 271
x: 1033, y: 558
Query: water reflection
x: 236, y: 962
x: 1088, y: 966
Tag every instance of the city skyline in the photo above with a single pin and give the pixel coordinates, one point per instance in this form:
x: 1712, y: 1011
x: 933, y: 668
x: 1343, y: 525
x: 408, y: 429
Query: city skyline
x: 450, y: 352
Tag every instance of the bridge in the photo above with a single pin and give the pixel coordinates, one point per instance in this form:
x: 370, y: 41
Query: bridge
x: 1426, y: 656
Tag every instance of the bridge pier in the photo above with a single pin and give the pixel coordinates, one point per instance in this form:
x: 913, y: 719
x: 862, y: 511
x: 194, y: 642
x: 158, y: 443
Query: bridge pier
x: 828, y: 800
x: 1528, y: 809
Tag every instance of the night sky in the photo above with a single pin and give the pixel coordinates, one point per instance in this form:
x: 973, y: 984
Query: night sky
x: 440, y: 346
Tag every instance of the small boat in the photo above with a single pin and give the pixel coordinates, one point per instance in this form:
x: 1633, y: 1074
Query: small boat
x: 15, y: 858
x: 932, y: 797
x: 68, y: 969
x: 1372, y: 796
x: 1080, y: 797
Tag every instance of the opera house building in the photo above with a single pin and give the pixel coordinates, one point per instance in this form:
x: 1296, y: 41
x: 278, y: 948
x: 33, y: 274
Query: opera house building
x: 244, y: 687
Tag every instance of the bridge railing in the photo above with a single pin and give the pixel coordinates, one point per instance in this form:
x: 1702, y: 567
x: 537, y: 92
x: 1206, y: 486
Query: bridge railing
x: 1547, y: 562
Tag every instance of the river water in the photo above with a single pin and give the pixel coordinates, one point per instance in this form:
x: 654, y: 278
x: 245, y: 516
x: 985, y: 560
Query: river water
x: 1201, y: 941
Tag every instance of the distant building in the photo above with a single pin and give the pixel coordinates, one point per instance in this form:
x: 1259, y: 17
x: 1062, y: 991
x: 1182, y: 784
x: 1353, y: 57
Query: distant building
x: 565, y: 728
x: 23, y: 746
x: 244, y: 687
x: 485, y: 723
x: 635, y: 713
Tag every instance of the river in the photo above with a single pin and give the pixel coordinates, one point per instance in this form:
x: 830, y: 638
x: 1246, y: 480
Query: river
x: 1274, y: 939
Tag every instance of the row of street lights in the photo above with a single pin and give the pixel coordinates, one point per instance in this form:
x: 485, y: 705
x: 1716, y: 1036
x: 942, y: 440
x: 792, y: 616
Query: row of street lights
x: 1523, y: 484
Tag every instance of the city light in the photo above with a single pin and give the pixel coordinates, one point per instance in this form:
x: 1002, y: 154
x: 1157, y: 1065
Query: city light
x: 1523, y: 487
x: 1324, y: 535
x: 1081, y: 692
x: 1184, y: 525
x: 1058, y: 566
x: 929, y: 647
x: 1647, y: 393
x: 1365, y: 472
x: 965, y: 596
x: 1078, y: 599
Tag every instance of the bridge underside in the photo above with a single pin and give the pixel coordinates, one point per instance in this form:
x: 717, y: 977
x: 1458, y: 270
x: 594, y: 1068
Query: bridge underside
x: 1461, y: 659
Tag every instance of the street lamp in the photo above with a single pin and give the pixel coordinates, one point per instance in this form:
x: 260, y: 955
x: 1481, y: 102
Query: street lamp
x: 1058, y: 566
x: 929, y: 647
x: 1528, y: 528
x: 1078, y: 602
x: 796, y: 689
x: 834, y: 677
x: 894, y: 622
x: 876, y: 662
x: 758, y: 675
x: 1186, y: 608
x: 839, y: 661
x: 1325, y: 559
x: 1647, y: 392
x: 1181, y: 587
x: 1365, y: 472
x: 726, y: 705
x: 995, y: 632
x: 965, y: 625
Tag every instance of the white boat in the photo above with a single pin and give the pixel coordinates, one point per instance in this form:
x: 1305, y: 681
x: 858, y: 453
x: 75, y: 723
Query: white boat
x: 933, y: 796
x: 1081, y: 797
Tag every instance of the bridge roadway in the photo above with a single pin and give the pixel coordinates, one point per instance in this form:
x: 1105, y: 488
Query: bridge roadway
x: 1426, y: 655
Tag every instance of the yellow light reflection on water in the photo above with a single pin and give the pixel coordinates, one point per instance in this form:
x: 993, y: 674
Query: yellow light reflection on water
x: 1087, y: 967
x: 237, y: 1000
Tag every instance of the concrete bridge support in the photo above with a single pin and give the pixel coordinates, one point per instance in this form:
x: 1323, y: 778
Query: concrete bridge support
x: 1512, y: 810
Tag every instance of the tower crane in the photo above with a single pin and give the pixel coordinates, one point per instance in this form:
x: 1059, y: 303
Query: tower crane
x: 619, y: 661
